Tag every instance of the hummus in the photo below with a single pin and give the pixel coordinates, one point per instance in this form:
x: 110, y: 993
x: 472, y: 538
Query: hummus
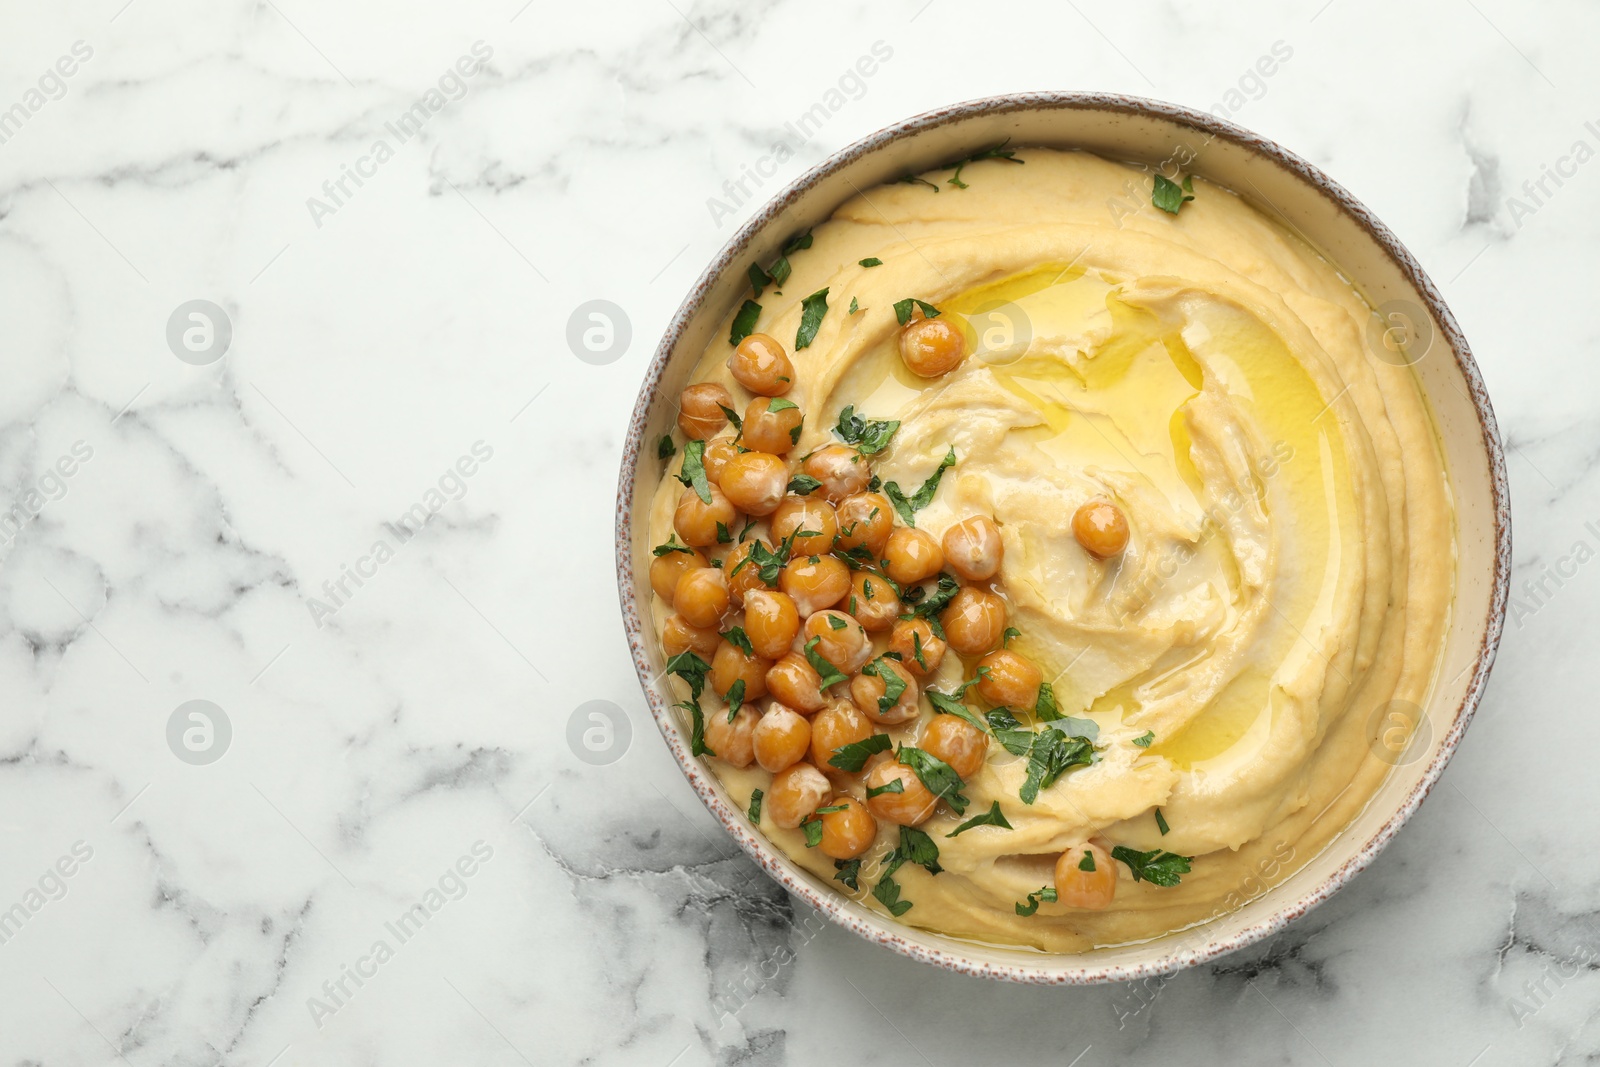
x: 1289, y: 574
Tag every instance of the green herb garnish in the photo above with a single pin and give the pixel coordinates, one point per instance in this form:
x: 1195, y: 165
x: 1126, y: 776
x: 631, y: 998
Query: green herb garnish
x: 867, y: 435
x: 803, y: 485
x: 872, y: 261
x: 893, y: 785
x: 1161, y: 823
x: 1155, y: 866
x: 940, y: 778
x: 1046, y: 894
x: 735, y: 698
x: 853, y: 757
x: 909, y: 506
x: 917, y: 847
x: 759, y: 279
x: 1169, y: 196
x: 812, y: 310
x: 1087, y: 863
x: 744, y: 323
x: 902, y: 309
x: 1144, y: 742
x: 693, y: 471
x: 1045, y: 706
x: 672, y: 545
x: 992, y: 817
x: 894, y: 686
x: 849, y: 871
x: 813, y: 828
x: 665, y: 449
x: 755, y: 806
x: 831, y: 675
x: 740, y: 640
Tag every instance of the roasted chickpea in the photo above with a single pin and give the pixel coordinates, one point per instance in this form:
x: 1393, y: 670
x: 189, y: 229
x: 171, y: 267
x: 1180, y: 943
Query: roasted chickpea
x: 873, y: 601
x: 702, y: 596
x: 841, y: 469
x: 796, y: 683
x: 815, y: 582
x: 868, y: 691
x: 744, y: 577
x: 761, y: 365
x: 912, y: 805
x: 974, y: 621
x: 667, y: 568
x: 810, y: 514
x: 781, y: 738
x: 866, y: 519
x: 771, y: 622
x: 771, y: 425
x: 732, y: 742
x: 920, y: 651
x: 700, y: 413
x: 972, y: 548
x: 678, y: 636
x: 754, y: 482
x: 1086, y: 877
x: 730, y: 665
x: 1008, y: 679
x: 1101, y: 528
x: 912, y: 555
x: 796, y: 792
x: 931, y: 347
x: 959, y: 743
x: 697, y: 522
x: 717, y: 455
x: 835, y: 726
x: 847, y: 834
x: 840, y: 640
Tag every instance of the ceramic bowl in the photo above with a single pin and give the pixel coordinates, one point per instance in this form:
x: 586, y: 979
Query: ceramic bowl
x: 1283, y: 186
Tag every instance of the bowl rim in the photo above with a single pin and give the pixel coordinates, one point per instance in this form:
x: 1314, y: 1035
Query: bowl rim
x: 884, y: 931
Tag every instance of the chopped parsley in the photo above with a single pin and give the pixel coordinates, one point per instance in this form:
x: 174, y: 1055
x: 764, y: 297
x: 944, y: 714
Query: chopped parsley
x: 665, y: 449
x: 693, y: 471
x: 950, y: 704
x: 849, y: 871
x: 916, y: 649
x: 893, y: 785
x: 755, y: 805
x: 902, y: 309
x: 869, y: 436
x: 778, y: 403
x: 1005, y: 638
x: 697, y: 732
x: 740, y: 640
x: 672, y: 545
x: 735, y: 698
x: 854, y: 307
x: 939, y: 599
x: 769, y: 563
x: 940, y: 778
x: 999, y: 151
x: 803, y: 485
x: 917, y: 847
x: 748, y: 526
x: 1087, y: 863
x: 1158, y: 867
x: 692, y: 669
x: 813, y: 828
x: 733, y: 417
x: 992, y: 817
x: 1169, y: 196
x: 872, y: 261
x: 759, y: 279
x: 887, y: 893
x: 1144, y: 742
x: 831, y: 675
x: 1161, y: 823
x: 912, y: 179
x: 894, y: 686
x: 724, y: 535
x: 744, y: 323
x: 1045, y: 706
x: 812, y: 309
x: 909, y: 506
x: 1046, y: 894
x: 853, y: 757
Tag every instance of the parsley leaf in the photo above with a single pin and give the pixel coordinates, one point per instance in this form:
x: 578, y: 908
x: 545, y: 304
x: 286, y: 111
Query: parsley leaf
x: 917, y: 847
x: 940, y: 598
x: 869, y: 436
x: 1087, y: 863
x: 1046, y: 894
x: 796, y: 243
x: 735, y: 698
x: 768, y: 562
x: 1161, y: 823
x: 665, y: 449
x: 1051, y: 755
x: 813, y: 828
x: 693, y: 471
x: 1045, y: 706
x: 692, y: 669
x: 1005, y: 638
x: 831, y: 675
x: 697, y: 733
x: 724, y: 535
x: 812, y: 310
x: 887, y: 892
x: 733, y: 417
x: 902, y: 309
x: 940, y: 778
x: 672, y: 545
x: 999, y: 151
x: 849, y: 871
x: 872, y: 261
x: 803, y: 485
x: 853, y: 757
x: 1169, y: 196
x: 1144, y: 742
x: 893, y: 785
x: 912, y: 179
x: 755, y: 805
x: 854, y: 306
x: 992, y: 817
x: 950, y: 704
x: 759, y: 279
x: 1158, y: 867
x: 740, y: 640
x: 744, y: 323
x: 894, y: 686
x: 908, y: 507
x: 778, y: 403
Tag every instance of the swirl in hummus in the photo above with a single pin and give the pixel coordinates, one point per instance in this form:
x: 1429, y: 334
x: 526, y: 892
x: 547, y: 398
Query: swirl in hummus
x: 1287, y: 573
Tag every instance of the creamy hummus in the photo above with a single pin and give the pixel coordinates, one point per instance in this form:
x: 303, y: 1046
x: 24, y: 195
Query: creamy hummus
x: 1291, y: 563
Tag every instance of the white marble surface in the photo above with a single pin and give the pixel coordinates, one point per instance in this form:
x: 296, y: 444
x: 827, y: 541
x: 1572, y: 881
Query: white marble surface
x: 611, y: 922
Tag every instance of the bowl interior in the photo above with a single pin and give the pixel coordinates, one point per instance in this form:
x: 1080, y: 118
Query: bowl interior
x: 1298, y: 196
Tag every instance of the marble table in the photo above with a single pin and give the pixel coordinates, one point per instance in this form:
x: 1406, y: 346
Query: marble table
x: 292, y: 428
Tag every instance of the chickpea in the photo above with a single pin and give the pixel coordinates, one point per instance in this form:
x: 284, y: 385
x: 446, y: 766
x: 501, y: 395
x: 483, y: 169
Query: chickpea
x: 761, y: 365
x: 974, y: 621
x: 702, y: 597
x: 697, y: 522
x: 796, y: 683
x: 1007, y: 679
x: 959, y: 743
x: 840, y: 640
x: 841, y: 469
x: 873, y: 601
x: 700, y: 413
x: 744, y: 578
x: 667, y: 568
x: 754, y: 482
x: 973, y: 549
x: 781, y: 738
x: 868, y: 690
x: 1080, y: 887
x: 796, y: 792
x: 913, y: 636
x: 732, y: 742
x: 771, y: 622
x: 912, y: 805
x: 677, y: 636
x: 835, y: 726
x: 1101, y: 528
x: 717, y: 456
x: 931, y: 347
x: 912, y: 555
x: 730, y: 665
x: 815, y: 582
x: 866, y: 519
x: 766, y: 430
x: 847, y: 834
x: 809, y: 513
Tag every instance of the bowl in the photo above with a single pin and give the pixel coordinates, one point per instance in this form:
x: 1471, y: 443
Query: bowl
x: 1283, y: 186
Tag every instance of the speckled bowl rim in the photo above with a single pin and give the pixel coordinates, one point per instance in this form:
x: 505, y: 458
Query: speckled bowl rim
x: 883, y: 931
